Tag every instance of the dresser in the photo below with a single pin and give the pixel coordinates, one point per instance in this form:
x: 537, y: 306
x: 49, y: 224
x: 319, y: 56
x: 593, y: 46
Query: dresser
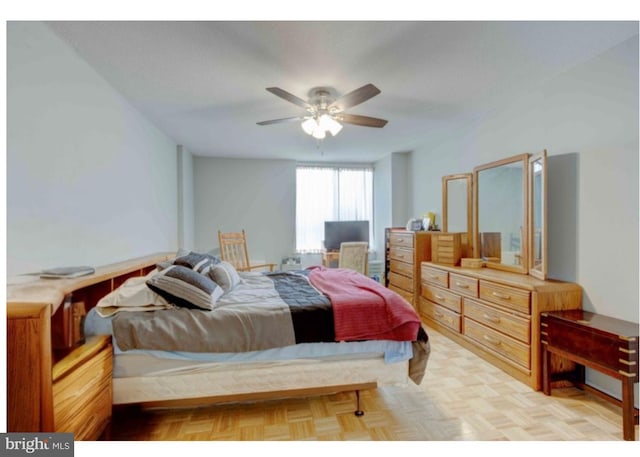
x: 405, y: 251
x: 494, y: 313
x: 56, y: 380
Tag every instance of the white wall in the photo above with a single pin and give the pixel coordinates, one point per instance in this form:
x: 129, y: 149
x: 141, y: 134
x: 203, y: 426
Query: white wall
x: 587, y: 119
x: 391, y: 191
x: 89, y: 180
x: 401, y: 188
x: 382, y: 202
x: 186, y: 209
x: 255, y: 195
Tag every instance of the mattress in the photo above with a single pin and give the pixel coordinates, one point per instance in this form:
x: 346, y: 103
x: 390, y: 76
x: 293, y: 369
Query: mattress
x: 138, y: 362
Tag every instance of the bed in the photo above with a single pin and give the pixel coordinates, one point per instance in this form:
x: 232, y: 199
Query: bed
x: 195, y: 331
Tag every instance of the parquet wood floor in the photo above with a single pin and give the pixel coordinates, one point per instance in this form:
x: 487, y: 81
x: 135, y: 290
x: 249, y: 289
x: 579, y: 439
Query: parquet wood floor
x: 462, y: 398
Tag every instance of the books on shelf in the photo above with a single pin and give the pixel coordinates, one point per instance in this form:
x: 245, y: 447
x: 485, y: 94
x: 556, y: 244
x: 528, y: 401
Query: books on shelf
x: 66, y: 272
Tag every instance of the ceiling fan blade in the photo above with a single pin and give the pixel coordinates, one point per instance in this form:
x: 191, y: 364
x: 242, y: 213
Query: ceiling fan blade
x: 280, y: 121
x: 288, y: 97
x: 354, y: 98
x: 364, y: 121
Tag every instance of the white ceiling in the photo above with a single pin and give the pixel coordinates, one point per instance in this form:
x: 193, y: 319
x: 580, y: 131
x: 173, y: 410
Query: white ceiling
x: 203, y: 83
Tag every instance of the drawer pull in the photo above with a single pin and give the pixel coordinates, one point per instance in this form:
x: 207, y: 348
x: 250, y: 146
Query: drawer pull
x: 438, y: 314
x: 583, y: 322
x: 628, y: 375
x: 544, y: 324
x: 400, y: 240
x: 464, y: 286
x: 439, y: 297
x: 627, y: 351
x: 495, y: 320
x: 501, y: 296
x: 491, y: 340
x: 627, y: 362
x: 433, y: 276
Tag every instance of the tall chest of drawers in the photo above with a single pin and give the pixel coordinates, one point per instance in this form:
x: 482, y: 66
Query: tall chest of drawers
x: 406, y: 250
x: 494, y: 313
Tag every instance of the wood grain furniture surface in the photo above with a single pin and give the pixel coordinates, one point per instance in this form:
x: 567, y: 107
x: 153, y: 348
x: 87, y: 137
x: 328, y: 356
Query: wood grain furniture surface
x: 494, y: 313
x: 405, y: 251
x: 61, y: 389
x: 330, y: 259
x: 233, y: 249
x: 599, y: 342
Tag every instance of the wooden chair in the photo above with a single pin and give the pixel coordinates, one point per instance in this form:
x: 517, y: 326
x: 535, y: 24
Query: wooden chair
x: 354, y: 255
x: 233, y: 249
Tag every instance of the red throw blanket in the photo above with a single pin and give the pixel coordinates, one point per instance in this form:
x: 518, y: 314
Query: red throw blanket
x: 363, y: 309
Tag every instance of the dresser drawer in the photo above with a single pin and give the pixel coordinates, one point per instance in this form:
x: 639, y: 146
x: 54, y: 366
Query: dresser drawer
x: 403, y: 293
x: 402, y: 268
x: 401, y: 239
x: 440, y: 314
x: 497, y: 342
x: 89, y: 423
x: 401, y: 254
x: 401, y: 281
x: 78, y: 394
x: 514, y: 326
x: 442, y: 297
x: 434, y: 276
x: 509, y: 297
x: 463, y: 285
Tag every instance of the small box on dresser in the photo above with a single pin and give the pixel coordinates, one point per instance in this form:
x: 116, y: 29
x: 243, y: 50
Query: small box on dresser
x: 446, y: 248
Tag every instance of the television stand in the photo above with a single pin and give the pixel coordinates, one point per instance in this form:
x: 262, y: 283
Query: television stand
x: 328, y: 257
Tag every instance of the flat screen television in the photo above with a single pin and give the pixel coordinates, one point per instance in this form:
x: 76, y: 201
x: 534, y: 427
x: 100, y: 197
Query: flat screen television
x: 335, y: 232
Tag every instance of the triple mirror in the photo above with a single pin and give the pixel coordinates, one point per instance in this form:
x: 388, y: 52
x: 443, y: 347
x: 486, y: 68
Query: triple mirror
x: 501, y: 210
x: 457, y: 208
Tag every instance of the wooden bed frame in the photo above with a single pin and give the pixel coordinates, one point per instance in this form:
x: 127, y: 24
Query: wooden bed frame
x: 43, y: 327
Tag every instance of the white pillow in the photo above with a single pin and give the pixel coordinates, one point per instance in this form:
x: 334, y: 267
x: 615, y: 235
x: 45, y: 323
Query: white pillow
x: 225, y: 275
x: 132, y: 295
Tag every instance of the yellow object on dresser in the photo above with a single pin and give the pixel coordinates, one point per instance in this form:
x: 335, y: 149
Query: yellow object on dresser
x: 494, y: 313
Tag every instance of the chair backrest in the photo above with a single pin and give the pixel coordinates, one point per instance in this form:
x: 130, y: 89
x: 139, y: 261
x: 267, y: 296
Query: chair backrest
x: 354, y: 255
x: 233, y: 249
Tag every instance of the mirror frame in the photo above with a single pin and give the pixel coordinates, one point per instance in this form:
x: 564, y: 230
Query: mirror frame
x: 468, y: 177
x: 524, y: 264
x: 538, y: 271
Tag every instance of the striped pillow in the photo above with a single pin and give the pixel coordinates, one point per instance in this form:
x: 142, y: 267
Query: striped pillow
x: 225, y: 274
x: 185, y: 287
x: 201, y: 263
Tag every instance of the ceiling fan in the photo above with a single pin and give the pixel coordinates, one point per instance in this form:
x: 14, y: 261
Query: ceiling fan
x: 325, y: 113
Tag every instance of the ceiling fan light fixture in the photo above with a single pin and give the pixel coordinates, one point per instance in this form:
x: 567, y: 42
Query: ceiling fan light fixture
x: 309, y: 126
x: 319, y: 133
x: 324, y: 114
x: 328, y: 123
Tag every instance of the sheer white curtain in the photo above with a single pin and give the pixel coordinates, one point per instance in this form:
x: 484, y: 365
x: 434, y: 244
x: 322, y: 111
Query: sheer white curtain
x: 330, y: 194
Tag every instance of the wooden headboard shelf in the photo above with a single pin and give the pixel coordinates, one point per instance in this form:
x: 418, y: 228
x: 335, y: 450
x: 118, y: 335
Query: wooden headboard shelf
x: 39, y: 321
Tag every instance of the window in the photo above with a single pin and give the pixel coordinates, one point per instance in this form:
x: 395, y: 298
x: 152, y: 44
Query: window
x: 330, y: 194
